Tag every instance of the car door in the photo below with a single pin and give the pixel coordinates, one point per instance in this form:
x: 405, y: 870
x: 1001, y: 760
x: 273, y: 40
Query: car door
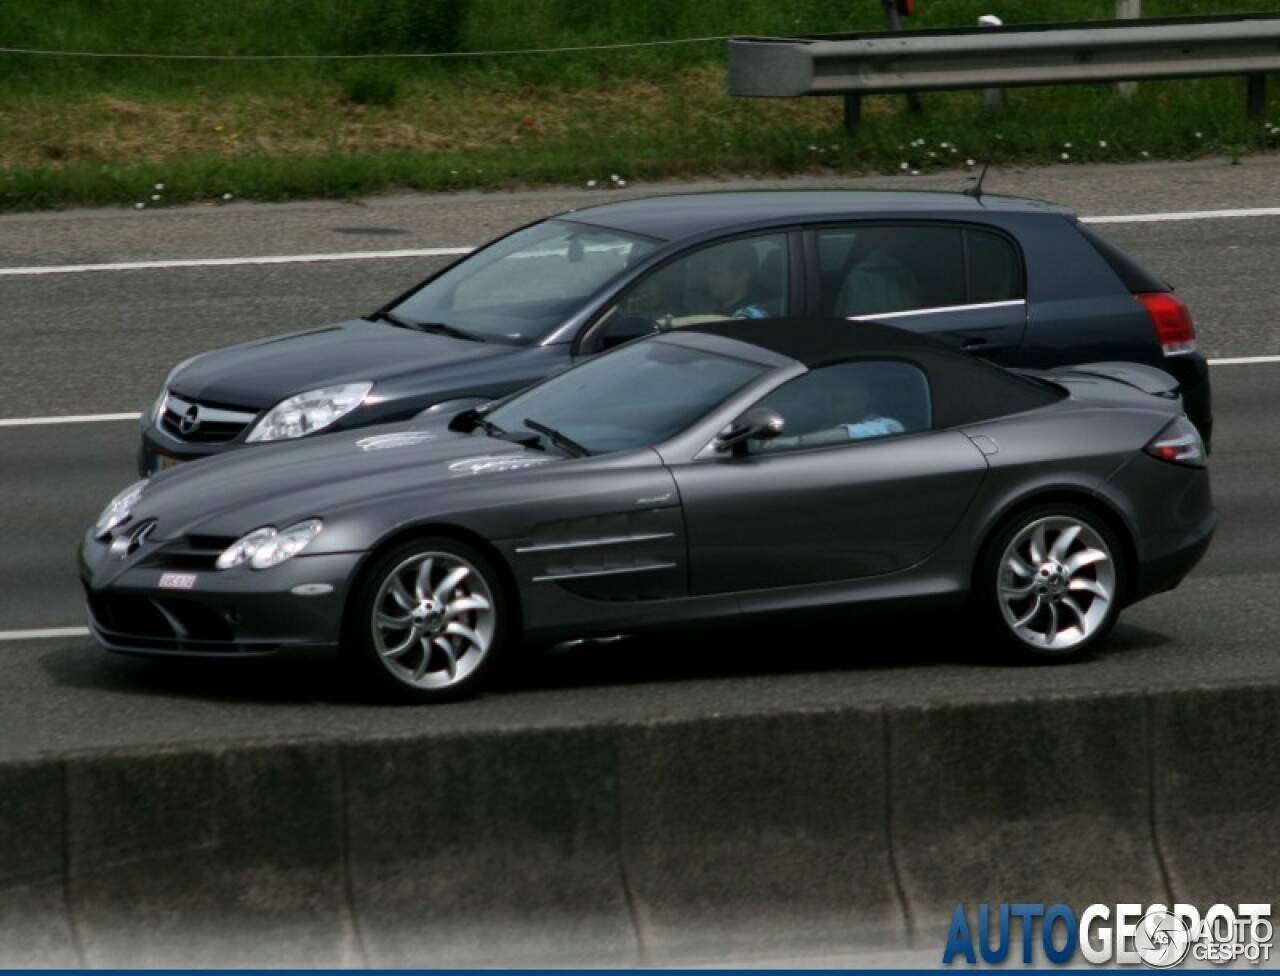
x: 847, y: 492
x: 961, y: 283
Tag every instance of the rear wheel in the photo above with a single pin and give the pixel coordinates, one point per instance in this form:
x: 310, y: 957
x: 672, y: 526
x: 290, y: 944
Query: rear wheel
x: 1052, y: 581
x: 428, y: 620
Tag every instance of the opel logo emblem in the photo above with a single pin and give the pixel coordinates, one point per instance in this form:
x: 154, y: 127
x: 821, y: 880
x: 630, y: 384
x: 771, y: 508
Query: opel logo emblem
x: 190, y: 421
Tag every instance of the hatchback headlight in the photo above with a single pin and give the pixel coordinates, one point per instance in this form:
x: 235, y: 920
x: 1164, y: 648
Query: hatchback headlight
x: 266, y: 547
x: 118, y: 510
x: 308, y: 412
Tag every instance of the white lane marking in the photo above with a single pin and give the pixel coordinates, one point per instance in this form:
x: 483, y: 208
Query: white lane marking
x: 426, y: 252
x: 1153, y: 218
x: 1244, y: 360
x: 431, y: 252
x: 14, y: 635
x: 86, y: 418
x: 108, y: 417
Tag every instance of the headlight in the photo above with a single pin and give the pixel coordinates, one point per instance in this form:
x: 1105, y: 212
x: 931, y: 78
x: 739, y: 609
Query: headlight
x: 118, y: 510
x: 266, y: 547
x: 308, y: 412
x: 157, y: 408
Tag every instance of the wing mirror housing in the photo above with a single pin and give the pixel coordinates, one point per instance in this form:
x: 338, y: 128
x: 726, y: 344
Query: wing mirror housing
x: 624, y: 328
x: 758, y: 423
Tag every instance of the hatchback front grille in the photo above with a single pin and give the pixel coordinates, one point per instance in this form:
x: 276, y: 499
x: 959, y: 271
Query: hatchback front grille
x: 202, y: 423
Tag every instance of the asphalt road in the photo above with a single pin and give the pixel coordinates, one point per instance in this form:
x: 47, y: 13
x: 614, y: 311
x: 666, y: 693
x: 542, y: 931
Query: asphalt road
x: 101, y: 342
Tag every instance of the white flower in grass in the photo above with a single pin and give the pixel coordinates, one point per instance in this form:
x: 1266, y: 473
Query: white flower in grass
x: 226, y: 196
x: 1065, y: 156
x: 622, y: 183
x: 159, y: 186
x: 155, y: 196
x: 904, y: 166
x: 970, y: 162
x: 591, y: 184
x: 1199, y: 135
x: 915, y: 172
x: 1145, y: 154
x: 1066, y: 145
x: 139, y: 206
x: 1102, y: 143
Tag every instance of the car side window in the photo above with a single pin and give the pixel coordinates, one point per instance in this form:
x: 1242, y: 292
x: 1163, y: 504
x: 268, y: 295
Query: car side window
x: 742, y: 278
x: 849, y: 402
x: 880, y: 269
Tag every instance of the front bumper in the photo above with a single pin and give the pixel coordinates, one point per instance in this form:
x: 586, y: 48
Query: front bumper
x: 148, y: 609
x: 159, y: 451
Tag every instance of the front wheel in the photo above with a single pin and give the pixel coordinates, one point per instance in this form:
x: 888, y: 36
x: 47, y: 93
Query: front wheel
x: 427, y: 620
x: 1051, y: 582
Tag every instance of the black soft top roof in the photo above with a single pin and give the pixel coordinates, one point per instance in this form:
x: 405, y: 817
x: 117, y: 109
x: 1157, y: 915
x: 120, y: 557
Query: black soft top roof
x: 965, y: 389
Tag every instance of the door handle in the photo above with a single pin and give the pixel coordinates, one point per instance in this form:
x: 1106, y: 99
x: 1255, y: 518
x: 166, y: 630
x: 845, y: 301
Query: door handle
x: 979, y: 347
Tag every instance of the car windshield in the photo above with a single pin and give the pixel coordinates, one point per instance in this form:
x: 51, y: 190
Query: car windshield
x: 526, y: 284
x: 639, y: 395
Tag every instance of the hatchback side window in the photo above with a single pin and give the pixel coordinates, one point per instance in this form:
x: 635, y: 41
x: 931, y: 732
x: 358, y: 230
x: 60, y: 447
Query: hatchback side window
x: 883, y: 269
x: 743, y: 278
x: 849, y: 402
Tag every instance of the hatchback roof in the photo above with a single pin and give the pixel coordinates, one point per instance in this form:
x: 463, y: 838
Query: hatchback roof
x: 689, y: 214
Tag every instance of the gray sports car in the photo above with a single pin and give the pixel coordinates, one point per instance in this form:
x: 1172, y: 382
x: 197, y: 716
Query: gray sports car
x: 719, y: 470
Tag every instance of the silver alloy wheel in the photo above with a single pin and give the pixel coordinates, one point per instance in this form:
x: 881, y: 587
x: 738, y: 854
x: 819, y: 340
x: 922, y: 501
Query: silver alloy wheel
x: 433, y: 620
x: 1057, y: 583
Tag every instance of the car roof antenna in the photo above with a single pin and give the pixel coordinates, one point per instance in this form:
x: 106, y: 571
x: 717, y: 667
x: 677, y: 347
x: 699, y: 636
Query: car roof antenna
x: 975, y: 191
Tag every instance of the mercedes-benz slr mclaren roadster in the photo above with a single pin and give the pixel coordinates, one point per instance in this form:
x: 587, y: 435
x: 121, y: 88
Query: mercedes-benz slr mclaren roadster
x: 706, y: 473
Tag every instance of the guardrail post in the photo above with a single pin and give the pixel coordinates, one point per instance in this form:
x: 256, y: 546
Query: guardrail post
x: 1255, y: 95
x: 1127, y: 10
x: 995, y: 98
x: 894, y: 22
x: 852, y: 113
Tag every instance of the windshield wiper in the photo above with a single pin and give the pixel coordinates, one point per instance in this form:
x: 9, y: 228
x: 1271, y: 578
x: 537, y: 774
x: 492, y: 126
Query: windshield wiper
x: 382, y: 315
x: 438, y: 328
x: 477, y: 421
x: 568, y: 444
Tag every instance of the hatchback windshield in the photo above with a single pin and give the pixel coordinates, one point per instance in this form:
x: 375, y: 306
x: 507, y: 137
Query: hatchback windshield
x: 526, y: 284
x: 640, y: 395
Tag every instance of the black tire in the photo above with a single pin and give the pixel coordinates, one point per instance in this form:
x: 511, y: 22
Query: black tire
x: 1060, y: 606
x: 451, y: 635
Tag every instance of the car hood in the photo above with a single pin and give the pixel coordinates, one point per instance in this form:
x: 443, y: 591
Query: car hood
x: 263, y: 372
x: 279, y: 484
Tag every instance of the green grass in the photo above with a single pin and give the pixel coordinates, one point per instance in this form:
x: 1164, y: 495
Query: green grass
x: 85, y: 131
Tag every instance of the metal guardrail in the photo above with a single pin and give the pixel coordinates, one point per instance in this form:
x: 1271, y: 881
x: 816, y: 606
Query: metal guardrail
x: 1045, y: 54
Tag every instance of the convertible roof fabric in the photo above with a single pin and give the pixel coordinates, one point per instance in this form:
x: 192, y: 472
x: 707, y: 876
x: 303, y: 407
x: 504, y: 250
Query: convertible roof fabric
x: 965, y: 389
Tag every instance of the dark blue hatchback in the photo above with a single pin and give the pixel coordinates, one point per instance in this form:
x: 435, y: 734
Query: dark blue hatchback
x: 1020, y: 282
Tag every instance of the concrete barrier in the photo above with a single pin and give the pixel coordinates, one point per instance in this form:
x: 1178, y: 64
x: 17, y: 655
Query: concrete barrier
x: 224, y: 856
x: 756, y: 835
x: 1217, y: 780
x: 34, y: 925
x: 1024, y: 801
x: 494, y: 849
x: 715, y: 839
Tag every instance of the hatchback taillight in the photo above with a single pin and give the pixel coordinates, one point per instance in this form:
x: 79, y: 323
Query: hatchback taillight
x: 1172, y: 322
x: 1180, y: 443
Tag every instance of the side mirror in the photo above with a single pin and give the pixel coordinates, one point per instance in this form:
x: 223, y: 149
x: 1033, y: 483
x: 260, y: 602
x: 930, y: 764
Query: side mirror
x: 624, y: 328
x: 758, y: 423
